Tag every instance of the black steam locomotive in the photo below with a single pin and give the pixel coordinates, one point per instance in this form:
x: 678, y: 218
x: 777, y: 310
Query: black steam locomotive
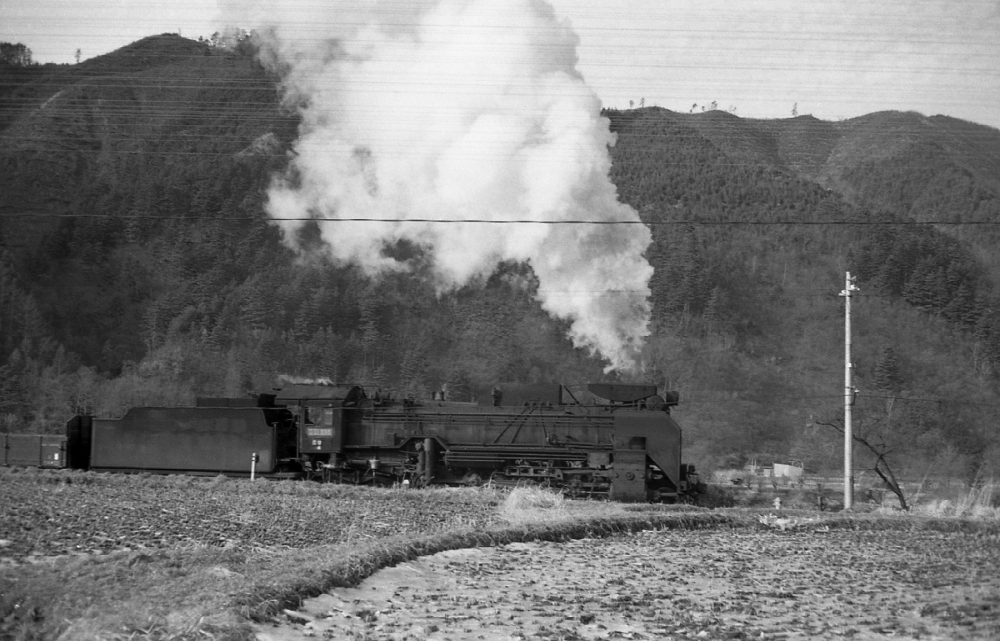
x: 620, y: 443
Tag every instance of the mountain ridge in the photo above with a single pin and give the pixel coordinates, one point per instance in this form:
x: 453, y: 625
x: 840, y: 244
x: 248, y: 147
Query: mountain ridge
x: 139, y: 265
x: 821, y: 150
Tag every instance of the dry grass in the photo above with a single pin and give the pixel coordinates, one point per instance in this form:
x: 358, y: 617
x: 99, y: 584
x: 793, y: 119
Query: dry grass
x: 532, y: 505
x: 978, y: 502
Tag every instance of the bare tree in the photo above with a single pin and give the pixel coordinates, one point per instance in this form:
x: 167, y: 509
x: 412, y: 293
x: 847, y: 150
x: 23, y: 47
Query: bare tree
x: 879, y: 450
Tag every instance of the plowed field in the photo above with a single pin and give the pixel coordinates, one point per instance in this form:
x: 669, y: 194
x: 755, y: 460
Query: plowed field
x: 677, y: 584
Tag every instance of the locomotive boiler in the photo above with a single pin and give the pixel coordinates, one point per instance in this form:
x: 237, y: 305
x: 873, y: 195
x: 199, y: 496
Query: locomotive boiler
x: 621, y: 443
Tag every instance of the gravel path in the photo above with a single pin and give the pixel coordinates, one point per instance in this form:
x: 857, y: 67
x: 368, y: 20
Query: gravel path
x: 719, y: 584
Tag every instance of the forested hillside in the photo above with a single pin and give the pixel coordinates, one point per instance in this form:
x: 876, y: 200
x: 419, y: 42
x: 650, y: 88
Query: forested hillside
x: 138, y: 267
x: 755, y: 224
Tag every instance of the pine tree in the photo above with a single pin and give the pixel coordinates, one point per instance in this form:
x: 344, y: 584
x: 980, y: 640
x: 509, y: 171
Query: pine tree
x: 254, y: 309
x: 327, y: 354
x: 458, y: 384
x: 13, y: 399
x: 915, y: 291
x: 413, y: 372
x: 371, y: 337
x: 152, y: 325
x: 886, y: 377
x: 303, y: 328
x: 963, y: 307
x: 714, y: 306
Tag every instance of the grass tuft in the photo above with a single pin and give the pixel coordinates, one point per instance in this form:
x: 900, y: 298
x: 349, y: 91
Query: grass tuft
x: 978, y: 503
x: 532, y: 504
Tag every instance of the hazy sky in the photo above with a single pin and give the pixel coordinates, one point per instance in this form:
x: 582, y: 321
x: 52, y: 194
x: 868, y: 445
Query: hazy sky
x: 834, y: 59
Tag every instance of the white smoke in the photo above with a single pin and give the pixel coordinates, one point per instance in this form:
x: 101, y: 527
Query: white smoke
x: 455, y: 110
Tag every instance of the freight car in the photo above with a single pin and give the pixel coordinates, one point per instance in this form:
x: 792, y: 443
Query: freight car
x: 33, y: 450
x: 620, y: 443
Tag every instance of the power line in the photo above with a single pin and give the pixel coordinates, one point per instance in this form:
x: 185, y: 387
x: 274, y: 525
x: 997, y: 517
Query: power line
x: 513, y: 221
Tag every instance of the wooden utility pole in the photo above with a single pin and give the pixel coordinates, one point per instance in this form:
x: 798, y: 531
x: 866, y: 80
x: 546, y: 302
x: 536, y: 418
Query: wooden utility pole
x: 848, y: 397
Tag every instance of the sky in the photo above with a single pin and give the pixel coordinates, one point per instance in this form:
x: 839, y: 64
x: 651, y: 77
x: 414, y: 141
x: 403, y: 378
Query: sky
x: 829, y: 58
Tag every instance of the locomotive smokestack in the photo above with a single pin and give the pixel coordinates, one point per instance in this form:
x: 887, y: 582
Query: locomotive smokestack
x: 449, y: 110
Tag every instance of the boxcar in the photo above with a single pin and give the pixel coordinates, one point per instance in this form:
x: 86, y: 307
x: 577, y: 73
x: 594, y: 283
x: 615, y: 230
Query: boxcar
x: 33, y: 450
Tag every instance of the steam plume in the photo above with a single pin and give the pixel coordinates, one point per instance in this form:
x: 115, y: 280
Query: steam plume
x: 456, y: 110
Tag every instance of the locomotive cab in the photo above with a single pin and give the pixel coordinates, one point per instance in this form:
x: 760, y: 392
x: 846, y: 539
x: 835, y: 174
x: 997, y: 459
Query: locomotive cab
x: 323, y: 414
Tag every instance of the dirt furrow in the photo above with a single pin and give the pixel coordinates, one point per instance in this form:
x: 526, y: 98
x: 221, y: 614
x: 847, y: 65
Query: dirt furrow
x: 676, y: 584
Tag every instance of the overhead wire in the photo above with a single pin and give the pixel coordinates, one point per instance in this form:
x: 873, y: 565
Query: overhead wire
x: 512, y: 221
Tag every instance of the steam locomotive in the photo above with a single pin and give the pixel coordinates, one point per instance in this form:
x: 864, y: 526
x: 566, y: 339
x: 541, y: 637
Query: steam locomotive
x: 610, y: 441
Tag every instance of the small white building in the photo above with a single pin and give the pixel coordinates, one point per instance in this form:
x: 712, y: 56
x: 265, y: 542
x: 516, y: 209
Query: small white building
x: 790, y: 471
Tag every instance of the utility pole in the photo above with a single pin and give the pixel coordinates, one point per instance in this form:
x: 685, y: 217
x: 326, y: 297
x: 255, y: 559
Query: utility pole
x: 848, y: 397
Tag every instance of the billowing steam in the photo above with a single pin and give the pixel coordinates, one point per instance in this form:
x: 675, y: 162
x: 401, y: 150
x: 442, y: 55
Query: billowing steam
x: 418, y: 112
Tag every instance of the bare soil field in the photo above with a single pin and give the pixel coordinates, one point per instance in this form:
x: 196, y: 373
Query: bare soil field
x: 113, y: 558
x: 677, y: 584
x: 54, y: 513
